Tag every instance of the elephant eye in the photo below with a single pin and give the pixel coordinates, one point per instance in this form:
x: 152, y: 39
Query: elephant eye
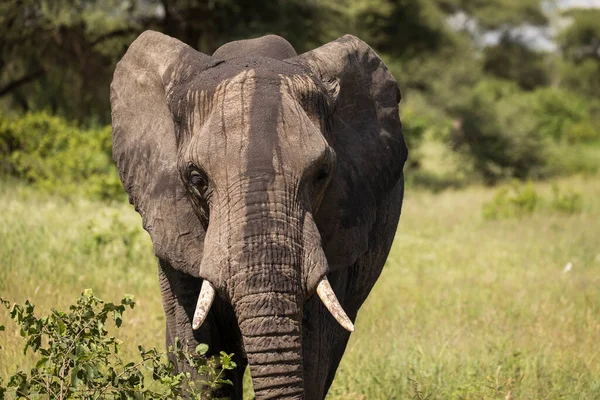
x: 322, y: 174
x: 198, y: 183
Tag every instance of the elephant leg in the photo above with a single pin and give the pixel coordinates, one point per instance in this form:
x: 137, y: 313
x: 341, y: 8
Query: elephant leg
x: 324, y: 342
x: 219, y: 331
x: 324, y: 339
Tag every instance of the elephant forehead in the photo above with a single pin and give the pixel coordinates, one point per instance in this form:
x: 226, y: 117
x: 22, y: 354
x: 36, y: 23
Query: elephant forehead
x: 256, y: 119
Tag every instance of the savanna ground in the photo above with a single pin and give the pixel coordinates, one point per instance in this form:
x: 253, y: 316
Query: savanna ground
x: 467, y: 307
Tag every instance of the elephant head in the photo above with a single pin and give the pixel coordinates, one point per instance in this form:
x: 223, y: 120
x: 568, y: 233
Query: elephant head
x: 259, y: 175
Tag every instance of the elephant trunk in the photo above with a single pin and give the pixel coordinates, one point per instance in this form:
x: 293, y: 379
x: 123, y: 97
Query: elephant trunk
x: 272, y: 261
x: 266, y: 291
x: 267, y: 299
x: 271, y: 329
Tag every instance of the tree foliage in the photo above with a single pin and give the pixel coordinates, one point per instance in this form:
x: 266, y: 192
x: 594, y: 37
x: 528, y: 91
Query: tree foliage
x: 497, y: 14
x: 501, y: 139
x: 513, y: 60
x: 58, y: 56
x: 580, y: 46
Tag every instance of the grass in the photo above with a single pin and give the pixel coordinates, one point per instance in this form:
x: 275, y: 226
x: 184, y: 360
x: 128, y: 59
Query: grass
x: 466, y: 308
x: 52, y: 249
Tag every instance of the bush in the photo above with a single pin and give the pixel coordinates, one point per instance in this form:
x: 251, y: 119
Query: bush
x: 414, y: 127
x: 108, y: 233
x: 516, y: 200
x: 583, y: 132
x: 505, y: 132
x: 78, y: 360
x: 577, y: 158
x: 58, y: 157
x: 566, y: 201
x: 499, y: 136
x: 512, y: 201
x: 563, y: 116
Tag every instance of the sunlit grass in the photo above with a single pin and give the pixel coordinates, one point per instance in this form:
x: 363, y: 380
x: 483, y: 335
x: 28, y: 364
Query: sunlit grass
x: 466, y: 307
x: 472, y: 308
x: 52, y: 249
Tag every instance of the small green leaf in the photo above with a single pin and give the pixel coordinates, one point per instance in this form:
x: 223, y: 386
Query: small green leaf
x: 202, y: 349
x: 41, y: 362
x: 62, y: 327
x: 90, y: 371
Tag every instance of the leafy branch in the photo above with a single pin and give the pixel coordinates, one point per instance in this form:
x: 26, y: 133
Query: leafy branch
x: 79, y: 360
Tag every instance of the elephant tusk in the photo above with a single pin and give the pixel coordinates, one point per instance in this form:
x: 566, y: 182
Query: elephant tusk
x: 205, y: 300
x: 328, y: 298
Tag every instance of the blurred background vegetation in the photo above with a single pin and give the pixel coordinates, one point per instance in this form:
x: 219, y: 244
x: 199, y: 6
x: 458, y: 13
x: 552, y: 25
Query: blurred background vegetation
x: 491, y: 89
x: 487, y: 292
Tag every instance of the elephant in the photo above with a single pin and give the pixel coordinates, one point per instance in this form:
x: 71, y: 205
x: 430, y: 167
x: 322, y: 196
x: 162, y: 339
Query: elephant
x: 263, y: 177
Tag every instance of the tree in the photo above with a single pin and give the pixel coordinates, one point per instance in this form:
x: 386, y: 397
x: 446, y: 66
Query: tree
x: 205, y: 25
x: 59, y: 55
x: 497, y: 15
x: 512, y: 59
x: 580, y: 46
x: 401, y: 28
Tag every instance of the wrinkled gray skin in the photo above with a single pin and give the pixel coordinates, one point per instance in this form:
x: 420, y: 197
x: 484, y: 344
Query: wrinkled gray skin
x: 298, y: 164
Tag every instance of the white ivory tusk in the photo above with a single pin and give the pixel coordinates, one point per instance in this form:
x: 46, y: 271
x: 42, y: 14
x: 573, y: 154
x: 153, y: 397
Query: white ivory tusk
x: 328, y: 298
x: 205, y: 300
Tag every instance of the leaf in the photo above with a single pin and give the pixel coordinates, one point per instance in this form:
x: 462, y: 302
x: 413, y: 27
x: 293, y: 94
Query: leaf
x: 128, y: 300
x: 41, y: 363
x: 202, y: 349
x: 90, y: 371
x: 74, y: 379
x: 226, y: 361
x: 62, y: 327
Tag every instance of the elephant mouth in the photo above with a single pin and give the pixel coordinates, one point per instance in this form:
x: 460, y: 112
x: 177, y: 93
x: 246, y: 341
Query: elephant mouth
x: 324, y: 291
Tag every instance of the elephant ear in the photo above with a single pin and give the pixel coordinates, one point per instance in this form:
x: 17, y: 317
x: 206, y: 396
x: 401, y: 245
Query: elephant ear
x: 366, y: 134
x: 145, y: 145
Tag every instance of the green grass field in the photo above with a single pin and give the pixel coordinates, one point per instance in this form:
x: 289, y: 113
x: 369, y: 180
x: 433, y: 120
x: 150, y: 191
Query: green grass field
x: 466, y: 308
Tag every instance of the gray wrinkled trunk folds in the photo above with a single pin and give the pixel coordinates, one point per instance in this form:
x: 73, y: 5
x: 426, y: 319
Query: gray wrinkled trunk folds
x: 264, y: 255
x: 265, y: 288
x: 271, y: 332
x: 267, y: 301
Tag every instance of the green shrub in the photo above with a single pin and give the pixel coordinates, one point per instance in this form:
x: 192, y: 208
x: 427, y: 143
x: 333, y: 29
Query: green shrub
x: 577, y: 158
x: 510, y: 133
x: 58, y: 157
x: 562, y: 116
x: 79, y: 360
x: 414, y: 127
x: 107, y: 232
x: 583, y: 132
x: 566, y: 201
x: 517, y: 200
x: 500, y: 138
x: 512, y: 201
